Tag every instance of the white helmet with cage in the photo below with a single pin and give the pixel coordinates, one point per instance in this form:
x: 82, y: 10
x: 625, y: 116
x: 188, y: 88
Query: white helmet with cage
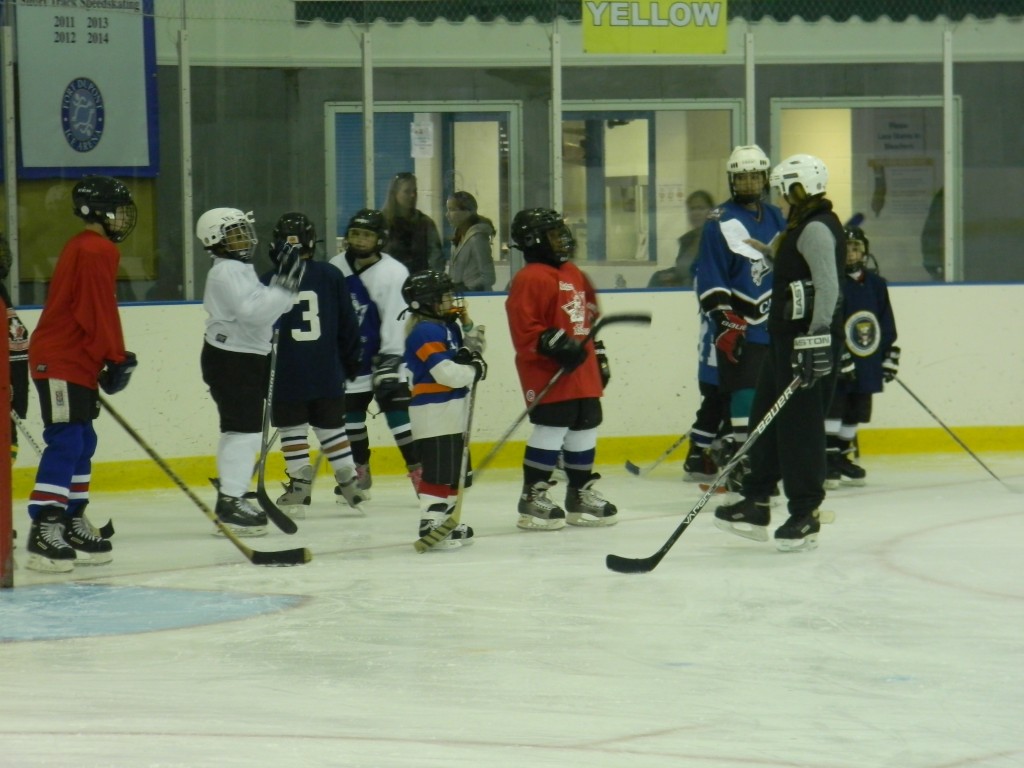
x: 747, y: 159
x: 227, y: 232
x: 808, y: 171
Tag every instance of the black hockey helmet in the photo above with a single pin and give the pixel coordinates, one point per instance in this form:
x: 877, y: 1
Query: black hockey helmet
x: 293, y: 228
x: 108, y: 202
x: 372, y: 221
x: 425, y: 291
x: 531, y: 234
x: 856, y: 259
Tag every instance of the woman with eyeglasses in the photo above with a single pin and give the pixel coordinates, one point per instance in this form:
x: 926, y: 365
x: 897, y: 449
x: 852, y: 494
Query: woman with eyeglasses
x: 413, y: 237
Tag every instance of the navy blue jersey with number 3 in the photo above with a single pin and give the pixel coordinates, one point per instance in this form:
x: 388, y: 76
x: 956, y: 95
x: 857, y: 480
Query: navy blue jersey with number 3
x: 316, y: 337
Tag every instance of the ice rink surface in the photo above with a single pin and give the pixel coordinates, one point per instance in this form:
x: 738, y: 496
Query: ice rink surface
x: 898, y: 642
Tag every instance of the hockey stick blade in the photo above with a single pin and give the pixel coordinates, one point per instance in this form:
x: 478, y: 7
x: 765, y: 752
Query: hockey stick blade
x: 621, y: 564
x: 283, y: 557
x: 106, y: 531
x: 633, y: 469
x: 953, y: 435
x: 274, y: 513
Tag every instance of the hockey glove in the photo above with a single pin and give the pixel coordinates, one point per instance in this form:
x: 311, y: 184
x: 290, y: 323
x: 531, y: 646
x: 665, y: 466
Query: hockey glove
x: 466, y: 356
x: 799, y: 300
x: 290, y: 268
x: 890, y: 364
x: 114, y: 376
x: 474, y: 339
x: 731, y: 329
x: 812, y: 356
x: 603, y: 366
x: 389, y: 388
x: 847, y: 367
x: 562, y: 348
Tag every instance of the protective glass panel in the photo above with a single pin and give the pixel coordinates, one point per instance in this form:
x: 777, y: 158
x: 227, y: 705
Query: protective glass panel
x: 442, y: 152
x: 885, y: 171
x: 629, y: 179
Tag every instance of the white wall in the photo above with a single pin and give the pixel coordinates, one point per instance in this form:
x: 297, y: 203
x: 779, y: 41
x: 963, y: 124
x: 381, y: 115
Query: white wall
x: 958, y: 356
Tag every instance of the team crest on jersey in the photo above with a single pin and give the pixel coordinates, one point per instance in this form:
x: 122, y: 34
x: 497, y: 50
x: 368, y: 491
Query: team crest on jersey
x: 575, y: 308
x: 863, y: 333
x: 758, y: 271
x: 17, y: 333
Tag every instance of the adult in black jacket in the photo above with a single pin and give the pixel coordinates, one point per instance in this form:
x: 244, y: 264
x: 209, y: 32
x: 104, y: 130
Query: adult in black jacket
x: 805, y: 327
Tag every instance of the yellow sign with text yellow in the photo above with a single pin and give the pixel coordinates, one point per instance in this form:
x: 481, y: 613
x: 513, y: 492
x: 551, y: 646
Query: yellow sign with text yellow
x: 654, y: 26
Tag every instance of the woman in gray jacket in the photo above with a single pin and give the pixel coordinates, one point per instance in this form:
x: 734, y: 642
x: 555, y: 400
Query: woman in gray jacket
x: 471, y: 267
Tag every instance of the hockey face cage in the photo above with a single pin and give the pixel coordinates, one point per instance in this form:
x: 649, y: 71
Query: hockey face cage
x: 431, y: 294
x: 228, y: 233
x: 743, y: 161
x: 106, y: 201
x: 239, y: 239
x: 541, y: 233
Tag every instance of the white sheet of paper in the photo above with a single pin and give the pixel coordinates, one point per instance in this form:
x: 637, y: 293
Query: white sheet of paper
x: 735, y: 233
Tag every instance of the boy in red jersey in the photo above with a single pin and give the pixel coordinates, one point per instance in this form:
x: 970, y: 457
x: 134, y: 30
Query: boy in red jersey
x: 551, y: 309
x: 76, y: 347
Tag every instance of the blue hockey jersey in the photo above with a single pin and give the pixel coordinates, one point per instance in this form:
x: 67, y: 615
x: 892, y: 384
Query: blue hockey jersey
x: 870, y: 330
x: 439, y: 384
x: 733, y: 276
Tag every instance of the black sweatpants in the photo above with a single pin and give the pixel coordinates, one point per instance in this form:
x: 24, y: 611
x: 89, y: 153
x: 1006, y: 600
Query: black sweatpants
x: 792, y: 448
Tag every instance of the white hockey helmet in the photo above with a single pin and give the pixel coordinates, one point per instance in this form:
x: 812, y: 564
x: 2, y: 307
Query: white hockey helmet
x: 749, y: 158
x: 746, y: 159
x: 228, y: 232
x: 807, y: 170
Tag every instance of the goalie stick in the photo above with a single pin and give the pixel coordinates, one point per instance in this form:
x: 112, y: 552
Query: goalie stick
x: 442, y: 531
x: 633, y: 469
x: 274, y: 513
x: 647, y: 564
x: 256, y: 557
x: 642, y: 318
x: 105, y: 531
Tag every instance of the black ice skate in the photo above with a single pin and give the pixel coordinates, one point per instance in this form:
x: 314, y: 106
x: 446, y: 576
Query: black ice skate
x: 90, y: 548
x: 699, y: 467
x: 747, y: 518
x: 721, y: 456
x: 841, y: 470
x: 48, y: 551
x: 537, y: 512
x: 586, y: 507
x: 240, y: 517
x: 798, y: 534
